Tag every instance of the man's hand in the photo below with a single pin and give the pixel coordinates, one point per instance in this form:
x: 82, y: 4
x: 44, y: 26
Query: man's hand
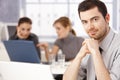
x: 92, y: 45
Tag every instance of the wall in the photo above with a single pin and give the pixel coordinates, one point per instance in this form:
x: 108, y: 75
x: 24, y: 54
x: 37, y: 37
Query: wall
x: 9, y: 11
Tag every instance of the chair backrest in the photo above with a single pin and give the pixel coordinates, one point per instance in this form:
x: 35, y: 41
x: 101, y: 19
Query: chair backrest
x: 11, y: 29
x: 3, y: 32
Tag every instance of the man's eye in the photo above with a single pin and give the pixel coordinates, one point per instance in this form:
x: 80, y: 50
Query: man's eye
x: 95, y: 19
x: 84, y: 22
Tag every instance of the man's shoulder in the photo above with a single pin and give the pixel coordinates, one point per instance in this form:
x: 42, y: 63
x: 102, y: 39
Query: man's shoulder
x: 117, y: 37
x: 116, y: 40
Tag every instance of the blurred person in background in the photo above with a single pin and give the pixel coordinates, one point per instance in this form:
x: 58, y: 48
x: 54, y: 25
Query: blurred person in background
x: 67, y: 41
x: 23, y: 32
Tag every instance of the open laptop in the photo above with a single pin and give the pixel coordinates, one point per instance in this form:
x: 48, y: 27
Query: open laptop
x: 22, y: 51
x: 24, y: 71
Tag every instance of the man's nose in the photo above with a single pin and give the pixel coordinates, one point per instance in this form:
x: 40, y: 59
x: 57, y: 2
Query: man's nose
x: 90, y: 25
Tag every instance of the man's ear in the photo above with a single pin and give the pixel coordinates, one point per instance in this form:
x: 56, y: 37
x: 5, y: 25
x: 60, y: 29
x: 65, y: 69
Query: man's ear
x: 107, y: 18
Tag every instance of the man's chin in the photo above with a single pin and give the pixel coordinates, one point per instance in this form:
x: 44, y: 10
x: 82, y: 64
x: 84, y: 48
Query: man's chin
x: 93, y: 38
x: 59, y: 38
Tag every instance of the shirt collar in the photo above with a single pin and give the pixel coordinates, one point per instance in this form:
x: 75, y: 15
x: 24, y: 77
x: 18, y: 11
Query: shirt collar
x: 107, y: 40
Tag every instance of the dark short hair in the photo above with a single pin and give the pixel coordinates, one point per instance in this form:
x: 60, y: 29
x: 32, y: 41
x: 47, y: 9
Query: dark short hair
x: 89, y: 4
x: 24, y: 20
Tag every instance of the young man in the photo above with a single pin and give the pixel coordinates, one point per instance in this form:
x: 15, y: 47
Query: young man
x: 101, y: 65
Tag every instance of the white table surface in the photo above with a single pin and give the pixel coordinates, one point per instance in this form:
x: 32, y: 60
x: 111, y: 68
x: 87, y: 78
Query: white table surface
x: 29, y: 71
x: 58, y: 69
x: 24, y: 71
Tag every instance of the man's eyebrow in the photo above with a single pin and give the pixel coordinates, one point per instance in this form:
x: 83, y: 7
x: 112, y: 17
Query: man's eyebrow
x: 94, y: 17
x: 83, y: 21
x: 91, y: 18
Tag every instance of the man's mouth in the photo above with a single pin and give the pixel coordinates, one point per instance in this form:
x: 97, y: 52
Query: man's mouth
x: 92, y: 33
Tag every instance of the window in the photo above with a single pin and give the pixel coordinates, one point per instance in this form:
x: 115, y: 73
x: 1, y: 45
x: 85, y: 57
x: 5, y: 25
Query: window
x: 45, y: 12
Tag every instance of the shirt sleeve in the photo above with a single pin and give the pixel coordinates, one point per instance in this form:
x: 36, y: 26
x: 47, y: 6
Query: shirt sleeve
x: 58, y: 43
x: 82, y: 75
x: 35, y: 40
x: 115, y: 69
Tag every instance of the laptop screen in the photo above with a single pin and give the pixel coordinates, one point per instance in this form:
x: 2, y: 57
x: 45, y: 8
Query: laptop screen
x: 22, y: 51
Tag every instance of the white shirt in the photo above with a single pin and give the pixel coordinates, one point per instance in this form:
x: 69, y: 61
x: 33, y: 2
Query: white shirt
x: 111, y: 57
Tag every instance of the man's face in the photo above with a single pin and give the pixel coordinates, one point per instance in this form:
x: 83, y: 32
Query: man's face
x: 94, y: 23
